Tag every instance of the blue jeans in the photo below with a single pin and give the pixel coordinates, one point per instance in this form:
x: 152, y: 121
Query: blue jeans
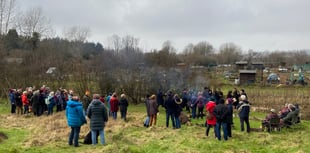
x: 74, y: 136
x: 114, y: 114
x: 177, y: 122
x: 94, y: 136
x: 168, y: 115
x: 193, y: 112
x: 49, y: 110
x: 218, y: 130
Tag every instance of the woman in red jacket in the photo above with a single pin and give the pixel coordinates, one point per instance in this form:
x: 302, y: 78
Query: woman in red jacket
x: 211, y: 121
x: 25, y: 102
x: 114, y: 105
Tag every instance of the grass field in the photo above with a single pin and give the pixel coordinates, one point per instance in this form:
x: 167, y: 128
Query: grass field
x: 50, y: 134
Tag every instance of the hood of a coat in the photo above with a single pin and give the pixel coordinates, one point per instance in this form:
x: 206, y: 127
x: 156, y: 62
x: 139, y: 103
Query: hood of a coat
x: 71, y: 103
x: 96, y: 102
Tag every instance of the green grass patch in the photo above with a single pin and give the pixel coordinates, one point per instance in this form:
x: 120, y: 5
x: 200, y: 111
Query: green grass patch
x: 132, y: 137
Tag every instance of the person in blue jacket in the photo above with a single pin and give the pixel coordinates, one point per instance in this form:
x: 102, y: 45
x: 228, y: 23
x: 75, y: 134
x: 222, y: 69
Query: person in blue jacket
x: 75, y: 118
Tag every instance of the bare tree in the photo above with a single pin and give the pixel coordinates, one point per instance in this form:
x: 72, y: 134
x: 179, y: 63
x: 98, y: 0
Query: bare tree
x: 34, y: 21
x: 168, y: 47
x: 199, y: 54
x: 229, y: 53
x: 130, y: 43
x: 203, y: 48
x: 77, y: 33
x: 7, y: 10
x: 189, y: 49
x: 115, y: 43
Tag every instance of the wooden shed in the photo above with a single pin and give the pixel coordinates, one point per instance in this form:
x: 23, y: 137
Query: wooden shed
x: 258, y: 65
x: 241, y: 65
x: 247, y: 76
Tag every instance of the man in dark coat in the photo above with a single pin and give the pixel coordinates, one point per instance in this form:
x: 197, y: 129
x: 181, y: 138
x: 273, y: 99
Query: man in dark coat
x: 229, y: 115
x: 171, y: 107
x: 35, y: 102
x: 123, y: 105
x: 244, y: 113
x: 18, y: 101
x: 221, y: 114
x: 98, y: 115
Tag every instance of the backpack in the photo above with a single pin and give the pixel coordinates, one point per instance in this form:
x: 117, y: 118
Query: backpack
x: 47, y: 101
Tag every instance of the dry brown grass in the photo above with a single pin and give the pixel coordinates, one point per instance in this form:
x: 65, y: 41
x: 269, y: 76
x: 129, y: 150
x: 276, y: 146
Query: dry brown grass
x: 54, y: 128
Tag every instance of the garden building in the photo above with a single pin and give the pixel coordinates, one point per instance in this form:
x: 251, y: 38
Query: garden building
x: 247, y: 76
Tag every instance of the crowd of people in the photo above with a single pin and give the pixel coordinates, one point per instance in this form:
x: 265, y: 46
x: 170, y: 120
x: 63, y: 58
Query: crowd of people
x: 97, y: 108
x: 217, y: 108
x: 212, y: 102
x: 38, y: 101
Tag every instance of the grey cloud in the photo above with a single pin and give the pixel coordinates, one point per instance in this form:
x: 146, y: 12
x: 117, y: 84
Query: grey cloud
x: 257, y: 24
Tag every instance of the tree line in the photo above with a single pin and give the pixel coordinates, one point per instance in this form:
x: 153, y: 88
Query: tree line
x: 122, y: 65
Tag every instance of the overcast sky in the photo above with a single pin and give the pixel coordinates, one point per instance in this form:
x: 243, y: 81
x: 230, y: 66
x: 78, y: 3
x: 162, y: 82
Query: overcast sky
x: 251, y: 24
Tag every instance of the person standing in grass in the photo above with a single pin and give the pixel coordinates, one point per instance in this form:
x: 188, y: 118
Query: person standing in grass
x: 193, y: 105
x: 221, y: 113
x: 12, y: 100
x: 236, y: 95
x: 147, y: 106
x: 98, y: 115
x: 114, y: 105
x: 25, y: 102
x: 108, y: 104
x: 153, y: 110
x: 178, y: 110
x: 123, y: 105
x: 75, y: 119
x: 86, y: 100
x: 185, y: 100
x: 50, y: 102
x: 229, y: 115
x: 244, y: 113
x: 211, y: 121
x: 200, y: 104
x: 170, y: 106
x: 18, y: 101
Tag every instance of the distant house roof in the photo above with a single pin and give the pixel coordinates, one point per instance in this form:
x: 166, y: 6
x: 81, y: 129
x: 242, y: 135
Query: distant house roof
x: 51, y: 70
x: 241, y: 62
x: 247, y: 71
